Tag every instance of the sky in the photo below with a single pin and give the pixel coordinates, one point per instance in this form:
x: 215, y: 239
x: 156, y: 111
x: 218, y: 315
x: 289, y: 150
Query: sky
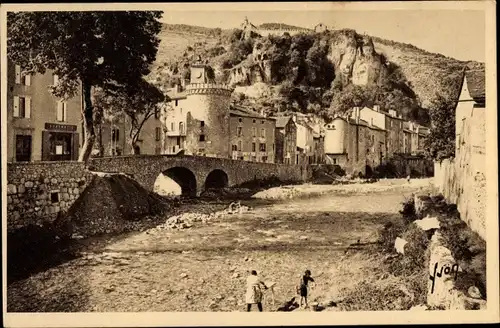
x: 453, y: 32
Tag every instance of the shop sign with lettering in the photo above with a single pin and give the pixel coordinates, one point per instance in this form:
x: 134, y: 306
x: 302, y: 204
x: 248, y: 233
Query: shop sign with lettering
x: 60, y: 127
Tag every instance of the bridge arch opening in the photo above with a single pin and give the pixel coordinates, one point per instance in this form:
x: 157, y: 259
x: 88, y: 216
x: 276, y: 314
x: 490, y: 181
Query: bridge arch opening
x: 176, y: 181
x: 217, y: 179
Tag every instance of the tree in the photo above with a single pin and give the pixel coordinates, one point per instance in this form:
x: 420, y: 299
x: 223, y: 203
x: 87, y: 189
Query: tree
x: 107, y: 49
x: 440, y: 143
x: 350, y: 96
x: 139, y: 104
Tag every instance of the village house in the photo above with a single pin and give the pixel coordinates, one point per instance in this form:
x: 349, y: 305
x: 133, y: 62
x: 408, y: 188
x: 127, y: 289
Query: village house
x: 414, y: 137
x: 174, y: 119
x: 252, y: 135
x: 356, y: 145
x: 470, y: 106
x: 390, y: 121
x: 40, y: 126
x: 286, y: 140
x: 305, y: 141
x: 115, y: 136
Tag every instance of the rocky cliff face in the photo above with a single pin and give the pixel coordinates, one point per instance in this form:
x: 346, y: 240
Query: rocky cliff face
x: 352, y: 54
x: 356, y: 60
x: 353, y: 57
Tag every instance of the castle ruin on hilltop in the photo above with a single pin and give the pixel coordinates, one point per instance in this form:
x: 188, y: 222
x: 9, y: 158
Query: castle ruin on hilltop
x: 277, y: 29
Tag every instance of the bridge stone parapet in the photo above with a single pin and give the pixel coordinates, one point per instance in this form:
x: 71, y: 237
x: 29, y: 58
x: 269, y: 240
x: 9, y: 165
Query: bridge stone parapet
x: 37, y: 192
x: 145, y: 169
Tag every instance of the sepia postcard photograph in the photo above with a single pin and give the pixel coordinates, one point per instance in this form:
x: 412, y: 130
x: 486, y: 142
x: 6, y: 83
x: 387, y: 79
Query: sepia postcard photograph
x: 256, y: 163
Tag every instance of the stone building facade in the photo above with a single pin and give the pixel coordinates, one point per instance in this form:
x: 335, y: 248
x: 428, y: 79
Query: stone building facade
x: 252, y: 135
x: 174, y: 120
x: 286, y: 140
x: 114, y: 136
x: 40, y: 126
x: 462, y: 180
x: 354, y: 144
x: 207, y: 119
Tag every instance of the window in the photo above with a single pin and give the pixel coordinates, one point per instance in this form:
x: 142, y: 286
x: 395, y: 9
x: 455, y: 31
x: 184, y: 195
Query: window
x: 22, y: 107
x: 26, y: 79
x: 62, y: 111
x: 239, y: 131
x: 172, y: 126
x: 273, y: 147
x: 176, y: 103
x: 23, y: 148
x: 253, y: 121
x: 334, y: 161
x: 158, y: 133
x: 54, y: 197
x: 254, y: 158
x: 202, y: 123
x: 22, y: 79
x: 254, y: 131
x: 157, y: 113
x: 239, y: 145
x: 202, y: 137
x: 240, y: 120
x: 181, y: 127
x: 234, y: 147
x: 262, y: 147
x: 262, y: 122
x: 264, y: 159
x: 18, y: 74
x: 254, y: 147
x: 115, y: 134
x: 262, y: 133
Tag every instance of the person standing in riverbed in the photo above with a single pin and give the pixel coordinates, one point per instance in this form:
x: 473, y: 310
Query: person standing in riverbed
x: 303, y: 287
x: 254, y: 293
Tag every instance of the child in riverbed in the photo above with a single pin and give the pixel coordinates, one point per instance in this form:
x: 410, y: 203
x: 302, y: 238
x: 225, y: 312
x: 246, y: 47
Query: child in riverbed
x: 303, y: 287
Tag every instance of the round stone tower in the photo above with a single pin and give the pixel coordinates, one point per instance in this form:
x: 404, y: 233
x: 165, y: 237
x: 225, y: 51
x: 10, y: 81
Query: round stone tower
x: 207, y: 123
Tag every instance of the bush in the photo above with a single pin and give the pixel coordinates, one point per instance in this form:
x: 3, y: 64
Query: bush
x: 408, y: 212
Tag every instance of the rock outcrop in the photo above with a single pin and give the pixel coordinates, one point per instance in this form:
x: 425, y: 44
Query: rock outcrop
x: 355, y: 58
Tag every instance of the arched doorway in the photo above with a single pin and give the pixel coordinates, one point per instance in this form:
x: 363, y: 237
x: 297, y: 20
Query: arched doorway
x: 176, y: 181
x: 217, y: 179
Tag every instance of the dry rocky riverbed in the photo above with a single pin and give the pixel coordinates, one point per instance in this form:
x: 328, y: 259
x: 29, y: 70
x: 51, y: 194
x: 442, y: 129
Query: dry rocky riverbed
x: 203, y: 265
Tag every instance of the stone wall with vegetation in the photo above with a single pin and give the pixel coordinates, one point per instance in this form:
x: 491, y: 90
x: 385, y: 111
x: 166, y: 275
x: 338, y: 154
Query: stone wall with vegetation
x: 462, y: 180
x: 456, y: 260
x: 38, y: 192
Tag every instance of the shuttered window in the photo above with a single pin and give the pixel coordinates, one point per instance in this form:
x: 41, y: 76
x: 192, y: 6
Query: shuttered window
x: 22, y: 107
x: 18, y: 74
x: 62, y: 111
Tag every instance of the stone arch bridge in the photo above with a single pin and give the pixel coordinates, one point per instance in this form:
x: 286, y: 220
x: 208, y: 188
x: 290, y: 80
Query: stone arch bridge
x: 195, y: 173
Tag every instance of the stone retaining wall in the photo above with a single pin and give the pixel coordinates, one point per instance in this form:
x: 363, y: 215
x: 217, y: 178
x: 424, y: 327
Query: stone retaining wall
x: 37, y: 192
x: 441, y: 292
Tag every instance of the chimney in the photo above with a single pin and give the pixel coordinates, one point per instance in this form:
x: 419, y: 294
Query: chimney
x: 376, y: 108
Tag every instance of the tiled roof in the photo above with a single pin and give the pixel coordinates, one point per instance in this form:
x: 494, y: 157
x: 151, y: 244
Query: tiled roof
x: 245, y: 112
x: 476, y: 84
x: 282, y: 121
x: 172, y: 94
